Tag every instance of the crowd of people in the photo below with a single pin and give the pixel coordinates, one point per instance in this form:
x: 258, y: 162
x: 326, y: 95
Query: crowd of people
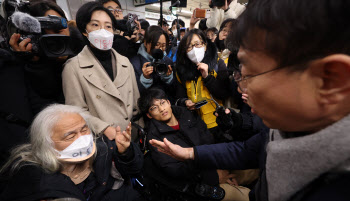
x: 251, y: 105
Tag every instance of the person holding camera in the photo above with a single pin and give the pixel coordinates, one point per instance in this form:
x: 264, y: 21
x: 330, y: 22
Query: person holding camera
x: 201, y: 77
x: 99, y: 79
x: 181, y: 126
x: 126, y: 42
x: 152, y: 66
x: 43, y: 72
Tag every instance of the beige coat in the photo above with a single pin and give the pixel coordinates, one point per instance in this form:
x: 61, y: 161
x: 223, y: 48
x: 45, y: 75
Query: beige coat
x: 86, y: 84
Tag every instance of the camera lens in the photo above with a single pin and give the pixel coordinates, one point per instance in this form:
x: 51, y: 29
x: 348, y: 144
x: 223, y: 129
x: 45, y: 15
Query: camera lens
x: 56, y: 47
x: 161, y: 69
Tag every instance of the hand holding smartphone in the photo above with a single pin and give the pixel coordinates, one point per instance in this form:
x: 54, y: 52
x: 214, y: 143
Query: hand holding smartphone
x: 202, y: 13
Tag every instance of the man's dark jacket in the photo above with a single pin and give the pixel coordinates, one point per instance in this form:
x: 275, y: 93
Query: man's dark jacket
x: 31, y: 182
x: 252, y: 154
x: 193, y: 131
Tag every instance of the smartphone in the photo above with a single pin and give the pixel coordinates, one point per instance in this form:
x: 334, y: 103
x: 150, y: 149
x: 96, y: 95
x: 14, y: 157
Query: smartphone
x: 200, y: 104
x: 202, y: 13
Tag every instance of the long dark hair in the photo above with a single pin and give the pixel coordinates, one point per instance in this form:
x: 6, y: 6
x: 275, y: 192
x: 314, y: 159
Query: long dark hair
x: 186, y: 69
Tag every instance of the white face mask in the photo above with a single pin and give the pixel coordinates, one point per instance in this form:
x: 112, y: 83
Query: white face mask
x: 80, y: 148
x: 196, y: 55
x: 101, y: 39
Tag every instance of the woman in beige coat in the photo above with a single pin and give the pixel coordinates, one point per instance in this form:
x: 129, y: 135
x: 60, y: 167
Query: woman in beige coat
x: 99, y: 79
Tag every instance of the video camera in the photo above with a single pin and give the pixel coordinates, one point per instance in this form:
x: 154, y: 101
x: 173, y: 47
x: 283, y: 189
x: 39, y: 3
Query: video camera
x: 159, y: 66
x: 19, y: 21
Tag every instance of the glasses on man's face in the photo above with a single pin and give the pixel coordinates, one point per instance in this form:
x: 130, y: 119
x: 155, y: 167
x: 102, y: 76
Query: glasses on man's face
x: 196, y: 44
x: 242, y: 80
x: 117, y: 10
x: 155, y: 109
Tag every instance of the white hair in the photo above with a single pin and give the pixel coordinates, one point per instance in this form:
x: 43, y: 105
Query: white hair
x: 40, y: 150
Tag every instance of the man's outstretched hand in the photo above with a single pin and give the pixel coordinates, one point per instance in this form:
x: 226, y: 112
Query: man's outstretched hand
x: 173, y: 150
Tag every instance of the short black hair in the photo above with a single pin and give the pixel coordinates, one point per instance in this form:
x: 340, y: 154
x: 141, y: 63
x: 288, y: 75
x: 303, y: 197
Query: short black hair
x: 294, y: 32
x: 181, y: 22
x: 106, y: 1
x: 203, y: 24
x: 144, y: 24
x: 148, y: 97
x: 153, y: 34
x: 84, y: 14
x: 39, y: 8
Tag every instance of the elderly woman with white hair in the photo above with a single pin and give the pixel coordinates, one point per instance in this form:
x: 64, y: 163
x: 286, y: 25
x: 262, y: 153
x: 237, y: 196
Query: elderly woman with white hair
x: 64, y: 160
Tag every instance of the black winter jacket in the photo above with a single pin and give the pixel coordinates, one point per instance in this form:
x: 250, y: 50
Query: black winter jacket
x: 193, y: 131
x: 31, y: 182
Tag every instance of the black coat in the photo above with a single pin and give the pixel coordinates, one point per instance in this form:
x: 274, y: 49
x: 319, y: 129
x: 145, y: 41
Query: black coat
x: 193, y: 131
x: 32, y: 183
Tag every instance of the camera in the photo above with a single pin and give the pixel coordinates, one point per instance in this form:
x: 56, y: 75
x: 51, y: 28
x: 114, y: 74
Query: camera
x: 19, y: 21
x: 130, y: 24
x: 159, y: 66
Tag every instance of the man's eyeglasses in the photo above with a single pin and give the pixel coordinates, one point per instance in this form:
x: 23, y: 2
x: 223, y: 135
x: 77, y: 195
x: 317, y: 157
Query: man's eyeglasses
x: 197, y: 45
x: 242, y: 81
x: 117, y: 10
x: 154, y: 109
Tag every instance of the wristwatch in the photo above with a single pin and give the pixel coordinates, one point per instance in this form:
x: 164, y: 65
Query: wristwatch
x: 227, y: 9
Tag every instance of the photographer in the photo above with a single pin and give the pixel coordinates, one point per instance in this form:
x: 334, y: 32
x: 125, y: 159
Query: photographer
x: 161, y: 73
x: 44, y: 73
x: 125, y: 42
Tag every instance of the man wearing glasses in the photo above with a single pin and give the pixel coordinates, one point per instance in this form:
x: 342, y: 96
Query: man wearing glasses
x: 115, y: 8
x: 298, y: 82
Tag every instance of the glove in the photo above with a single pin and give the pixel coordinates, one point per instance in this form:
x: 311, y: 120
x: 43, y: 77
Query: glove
x: 235, y: 117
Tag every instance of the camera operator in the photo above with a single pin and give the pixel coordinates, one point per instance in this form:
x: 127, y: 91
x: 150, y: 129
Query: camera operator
x: 124, y: 43
x: 43, y: 73
x: 150, y: 72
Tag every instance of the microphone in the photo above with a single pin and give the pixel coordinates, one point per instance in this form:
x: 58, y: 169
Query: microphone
x: 26, y: 23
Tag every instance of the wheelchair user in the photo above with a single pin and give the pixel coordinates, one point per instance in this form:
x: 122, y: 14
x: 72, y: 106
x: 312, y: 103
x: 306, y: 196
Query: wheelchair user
x: 180, y: 126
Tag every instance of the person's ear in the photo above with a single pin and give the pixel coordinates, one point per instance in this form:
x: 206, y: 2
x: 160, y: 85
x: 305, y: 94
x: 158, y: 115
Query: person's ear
x: 85, y: 34
x: 334, y: 78
x: 148, y: 115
